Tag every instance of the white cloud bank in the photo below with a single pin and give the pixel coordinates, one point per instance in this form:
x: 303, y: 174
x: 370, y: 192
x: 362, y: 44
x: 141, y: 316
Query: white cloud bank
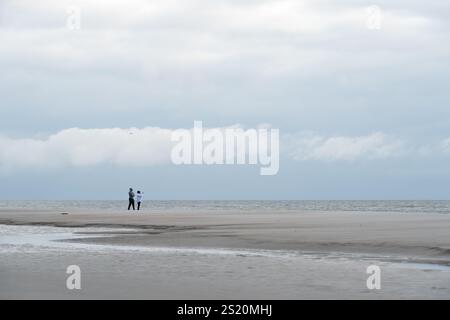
x: 151, y: 146
x: 309, y: 146
x: 88, y: 147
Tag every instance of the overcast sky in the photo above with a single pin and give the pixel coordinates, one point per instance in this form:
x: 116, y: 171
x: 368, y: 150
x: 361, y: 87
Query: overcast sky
x: 361, y: 95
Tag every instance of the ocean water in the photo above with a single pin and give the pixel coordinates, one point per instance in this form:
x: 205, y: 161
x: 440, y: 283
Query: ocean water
x: 394, y: 206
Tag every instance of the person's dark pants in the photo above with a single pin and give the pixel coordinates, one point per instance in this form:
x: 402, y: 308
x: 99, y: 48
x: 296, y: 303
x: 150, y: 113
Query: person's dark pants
x: 131, y: 204
x: 139, y: 206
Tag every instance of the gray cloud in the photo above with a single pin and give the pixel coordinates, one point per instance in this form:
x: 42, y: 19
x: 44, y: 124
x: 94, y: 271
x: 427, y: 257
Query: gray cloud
x: 304, y: 66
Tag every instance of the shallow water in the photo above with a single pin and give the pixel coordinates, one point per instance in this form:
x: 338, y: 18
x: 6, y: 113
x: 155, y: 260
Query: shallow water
x: 33, y: 261
x: 42, y: 238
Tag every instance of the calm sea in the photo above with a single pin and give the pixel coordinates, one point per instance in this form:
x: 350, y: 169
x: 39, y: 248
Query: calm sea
x: 431, y: 206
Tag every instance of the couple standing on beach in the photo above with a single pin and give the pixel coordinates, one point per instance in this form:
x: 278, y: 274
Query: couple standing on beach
x: 131, y: 196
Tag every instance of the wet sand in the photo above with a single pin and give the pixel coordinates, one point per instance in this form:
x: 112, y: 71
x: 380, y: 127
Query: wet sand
x: 416, y: 236
x: 149, y: 255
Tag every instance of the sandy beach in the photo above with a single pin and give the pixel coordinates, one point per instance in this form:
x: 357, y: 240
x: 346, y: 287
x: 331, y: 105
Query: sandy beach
x: 413, y: 235
x: 229, y: 255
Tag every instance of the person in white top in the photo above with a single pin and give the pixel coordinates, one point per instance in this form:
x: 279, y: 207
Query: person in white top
x: 139, y: 196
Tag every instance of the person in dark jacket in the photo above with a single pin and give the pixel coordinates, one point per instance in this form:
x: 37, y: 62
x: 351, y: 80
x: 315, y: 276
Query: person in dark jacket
x: 130, y: 199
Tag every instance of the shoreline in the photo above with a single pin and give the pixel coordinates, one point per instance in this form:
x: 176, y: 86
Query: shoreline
x: 412, y: 237
x: 223, y: 256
